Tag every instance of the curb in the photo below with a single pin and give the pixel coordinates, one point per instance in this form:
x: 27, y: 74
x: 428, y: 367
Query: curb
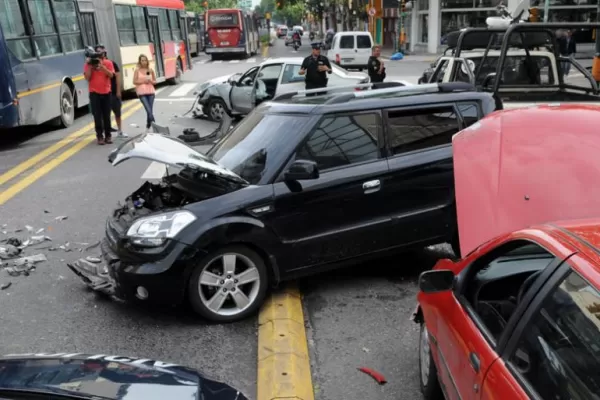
x: 283, y: 360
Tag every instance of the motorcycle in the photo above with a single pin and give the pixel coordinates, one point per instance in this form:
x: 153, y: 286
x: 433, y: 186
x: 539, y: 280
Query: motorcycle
x: 296, y: 45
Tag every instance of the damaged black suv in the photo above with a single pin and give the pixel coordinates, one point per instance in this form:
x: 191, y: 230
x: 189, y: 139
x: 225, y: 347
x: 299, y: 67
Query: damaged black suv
x: 296, y: 188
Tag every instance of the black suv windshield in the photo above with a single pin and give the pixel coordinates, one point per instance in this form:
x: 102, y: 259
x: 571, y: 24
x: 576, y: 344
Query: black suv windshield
x: 259, y: 144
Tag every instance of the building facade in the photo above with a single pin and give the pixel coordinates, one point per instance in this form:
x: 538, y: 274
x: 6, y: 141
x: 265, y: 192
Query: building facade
x: 429, y: 21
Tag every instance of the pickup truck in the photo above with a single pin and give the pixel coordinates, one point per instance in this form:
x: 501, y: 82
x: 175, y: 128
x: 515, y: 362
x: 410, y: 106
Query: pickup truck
x: 519, y: 64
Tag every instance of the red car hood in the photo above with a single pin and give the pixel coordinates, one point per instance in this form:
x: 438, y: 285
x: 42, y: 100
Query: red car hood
x: 517, y: 168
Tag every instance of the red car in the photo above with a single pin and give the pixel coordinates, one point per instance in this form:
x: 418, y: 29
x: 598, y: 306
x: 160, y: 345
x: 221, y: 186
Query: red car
x: 519, y: 316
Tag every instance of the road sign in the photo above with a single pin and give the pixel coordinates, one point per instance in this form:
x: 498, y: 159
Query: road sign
x: 372, y: 11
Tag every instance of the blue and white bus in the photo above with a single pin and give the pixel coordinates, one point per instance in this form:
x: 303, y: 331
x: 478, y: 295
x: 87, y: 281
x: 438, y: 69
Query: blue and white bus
x: 41, y: 58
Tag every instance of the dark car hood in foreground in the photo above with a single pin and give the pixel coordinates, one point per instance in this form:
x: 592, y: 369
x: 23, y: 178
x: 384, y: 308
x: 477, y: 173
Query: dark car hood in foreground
x: 109, y: 377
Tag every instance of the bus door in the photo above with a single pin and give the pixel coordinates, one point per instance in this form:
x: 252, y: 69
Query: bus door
x: 155, y: 39
x: 186, y: 38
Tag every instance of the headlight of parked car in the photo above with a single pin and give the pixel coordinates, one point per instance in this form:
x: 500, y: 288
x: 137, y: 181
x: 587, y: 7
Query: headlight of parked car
x: 153, y: 231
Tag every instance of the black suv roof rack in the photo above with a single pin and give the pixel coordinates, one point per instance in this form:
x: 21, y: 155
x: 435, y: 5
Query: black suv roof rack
x: 448, y: 87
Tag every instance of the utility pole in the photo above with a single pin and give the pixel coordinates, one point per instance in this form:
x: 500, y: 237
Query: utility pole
x: 400, y: 33
x: 596, y: 62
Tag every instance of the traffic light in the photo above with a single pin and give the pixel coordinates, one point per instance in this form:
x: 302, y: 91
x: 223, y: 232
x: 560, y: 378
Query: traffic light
x: 279, y: 4
x: 534, y: 15
x: 403, y: 6
x: 205, y: 4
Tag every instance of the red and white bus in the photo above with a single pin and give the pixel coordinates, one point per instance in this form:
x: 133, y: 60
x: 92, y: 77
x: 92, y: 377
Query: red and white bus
x: 155, y: 28
x: 230, y: 31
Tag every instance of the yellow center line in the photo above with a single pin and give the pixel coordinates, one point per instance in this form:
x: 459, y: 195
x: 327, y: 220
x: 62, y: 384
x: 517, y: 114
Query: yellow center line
x: 25, y: 165
x: 56, y: 161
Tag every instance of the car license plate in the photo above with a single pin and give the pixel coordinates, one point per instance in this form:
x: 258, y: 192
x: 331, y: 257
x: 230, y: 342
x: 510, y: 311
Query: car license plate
x: 346, y: 60
x: 224, y: 43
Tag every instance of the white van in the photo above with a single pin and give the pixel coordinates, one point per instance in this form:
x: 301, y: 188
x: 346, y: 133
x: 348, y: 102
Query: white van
x: 351, y: 49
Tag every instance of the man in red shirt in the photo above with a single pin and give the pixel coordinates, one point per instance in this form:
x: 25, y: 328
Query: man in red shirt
x: 99, y: 72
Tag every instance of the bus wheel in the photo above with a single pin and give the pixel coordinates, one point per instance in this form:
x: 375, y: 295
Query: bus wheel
x: 177, y: 79
x: 67, y: 108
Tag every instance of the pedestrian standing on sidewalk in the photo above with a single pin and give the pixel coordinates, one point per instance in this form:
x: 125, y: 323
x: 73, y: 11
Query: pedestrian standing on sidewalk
x: 568, y: 48
x: 376, y: 68
x: 99, y: 72
x: 115, y: 97
x: 144, y: 80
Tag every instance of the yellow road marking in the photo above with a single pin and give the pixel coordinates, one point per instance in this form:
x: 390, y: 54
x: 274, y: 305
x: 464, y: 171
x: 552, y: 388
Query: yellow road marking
x: 283, y: 360
x: 55, y: 162
x: 30, y: 162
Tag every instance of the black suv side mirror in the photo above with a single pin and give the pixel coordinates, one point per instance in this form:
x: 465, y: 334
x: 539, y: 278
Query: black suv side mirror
x: 435, y: 281
x: 302, y: 170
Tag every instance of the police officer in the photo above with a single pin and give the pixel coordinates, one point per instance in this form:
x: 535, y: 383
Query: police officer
x: 316, y: 67
x: 376, y: 69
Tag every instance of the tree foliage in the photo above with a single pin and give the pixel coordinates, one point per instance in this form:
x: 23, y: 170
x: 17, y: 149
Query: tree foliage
x: 198, y: 5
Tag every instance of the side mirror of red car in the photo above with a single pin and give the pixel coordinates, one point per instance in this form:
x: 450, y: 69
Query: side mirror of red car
x: 439, y: 280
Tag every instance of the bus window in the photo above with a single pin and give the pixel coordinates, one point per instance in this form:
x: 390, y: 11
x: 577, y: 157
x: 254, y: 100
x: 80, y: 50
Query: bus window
x: 45, y: 38
x: 140, y: 26
x: 191, y: 25
x: 14, y: 30
x: 68, y: 25
x: 125, y: 25
x: 174, y: 21
x: 163, y: 20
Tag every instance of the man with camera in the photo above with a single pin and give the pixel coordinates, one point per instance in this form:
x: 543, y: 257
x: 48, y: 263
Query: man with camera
x: 99, y: 71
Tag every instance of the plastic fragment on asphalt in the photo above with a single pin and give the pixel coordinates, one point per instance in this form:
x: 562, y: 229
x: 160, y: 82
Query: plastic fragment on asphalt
x: 9, y: 251
x: 373, y: 374
x: 61, y: 218
x: 5, y: 285
x: 94, y: 260
x: 13, y: 241
x: 93, y: 245
x: 39, y: 231
x: 29, y: 228
x: 30, y: 259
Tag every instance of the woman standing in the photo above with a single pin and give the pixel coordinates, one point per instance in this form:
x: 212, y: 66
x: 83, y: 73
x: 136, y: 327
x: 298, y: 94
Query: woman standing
x: 144, y: 80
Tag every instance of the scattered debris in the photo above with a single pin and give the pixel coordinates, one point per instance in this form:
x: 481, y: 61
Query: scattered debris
x: 30, y: 260
x: 29, y: 228
x: 92, y: 246
x: 9, y: 251
x: 373, y: 374
x: 46, y: 212
x: 13, y: 241
x: 61, y: 218
x: 366, y: 350
x: 5, y: 286
x: 94, y: 260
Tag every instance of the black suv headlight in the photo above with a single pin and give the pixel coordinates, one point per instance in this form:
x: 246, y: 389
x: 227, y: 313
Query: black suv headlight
x: 153, y: 231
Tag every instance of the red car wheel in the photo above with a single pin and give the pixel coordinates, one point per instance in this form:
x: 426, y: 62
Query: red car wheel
x: 430, y: 386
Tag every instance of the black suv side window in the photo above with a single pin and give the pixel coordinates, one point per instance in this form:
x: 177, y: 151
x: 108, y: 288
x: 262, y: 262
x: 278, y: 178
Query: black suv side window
x: 559, y: 352
x: 410, y: 130
x: 469, y: 112
x: 342, y: 140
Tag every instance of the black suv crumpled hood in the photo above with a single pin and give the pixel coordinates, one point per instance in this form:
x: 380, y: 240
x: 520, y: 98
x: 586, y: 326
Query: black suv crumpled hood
x: 109, y: 377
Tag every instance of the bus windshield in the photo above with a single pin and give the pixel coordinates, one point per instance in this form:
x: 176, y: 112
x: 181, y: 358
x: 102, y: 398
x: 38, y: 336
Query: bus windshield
x: 223, y: 19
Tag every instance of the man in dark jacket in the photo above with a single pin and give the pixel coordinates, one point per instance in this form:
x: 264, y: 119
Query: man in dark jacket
x: 315, y: 67
x: 567, y: 48
x: 376, y: 69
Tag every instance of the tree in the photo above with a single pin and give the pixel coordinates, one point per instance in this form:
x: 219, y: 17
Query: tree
x: 198, y: 5
x: 292, y: 14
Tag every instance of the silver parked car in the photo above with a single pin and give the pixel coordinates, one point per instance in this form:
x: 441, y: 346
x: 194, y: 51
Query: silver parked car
x: 238, y: 94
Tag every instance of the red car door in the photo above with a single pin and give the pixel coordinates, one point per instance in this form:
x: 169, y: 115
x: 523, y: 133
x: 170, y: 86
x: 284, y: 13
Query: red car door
x: 467, y: 331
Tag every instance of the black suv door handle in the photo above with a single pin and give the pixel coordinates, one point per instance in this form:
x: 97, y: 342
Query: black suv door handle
x: 371, y: 186
x: 474, y: 358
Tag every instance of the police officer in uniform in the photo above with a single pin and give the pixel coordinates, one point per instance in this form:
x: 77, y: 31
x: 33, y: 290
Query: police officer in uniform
x: 315, y: 67
x: 376, y: 69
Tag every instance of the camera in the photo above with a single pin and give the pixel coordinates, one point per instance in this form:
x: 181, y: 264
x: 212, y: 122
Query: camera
x: 93, y: 55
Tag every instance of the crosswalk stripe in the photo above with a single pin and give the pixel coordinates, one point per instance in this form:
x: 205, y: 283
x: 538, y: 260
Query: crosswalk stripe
x: 234, y: 61
x: 251, y: 60
x: 217, y: 62
x: 183, y: 90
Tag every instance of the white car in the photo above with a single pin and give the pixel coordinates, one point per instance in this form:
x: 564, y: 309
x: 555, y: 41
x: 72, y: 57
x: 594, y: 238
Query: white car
x: 238, y: 94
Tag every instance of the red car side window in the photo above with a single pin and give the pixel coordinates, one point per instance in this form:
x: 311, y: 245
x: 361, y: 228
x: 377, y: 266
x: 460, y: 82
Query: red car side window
x: 559, y: 352
x: 493, y: 289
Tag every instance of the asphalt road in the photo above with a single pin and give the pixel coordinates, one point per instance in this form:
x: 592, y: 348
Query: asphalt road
x: 357, y: 317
